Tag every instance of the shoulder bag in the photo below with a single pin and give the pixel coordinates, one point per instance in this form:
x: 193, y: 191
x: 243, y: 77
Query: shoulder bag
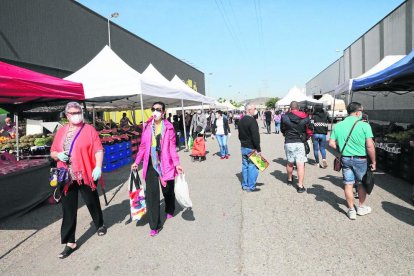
x: 61, y: 175
x: 305, y: 142
x: 337, y: 165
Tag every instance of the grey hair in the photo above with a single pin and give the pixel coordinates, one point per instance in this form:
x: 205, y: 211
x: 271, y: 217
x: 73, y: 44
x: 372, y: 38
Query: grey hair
x: 248, y: 106
x: 72, y: 105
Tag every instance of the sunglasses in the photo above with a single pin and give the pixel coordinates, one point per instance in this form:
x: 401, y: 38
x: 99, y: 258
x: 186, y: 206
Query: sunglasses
x: 74, y: 113
x: 157, y: 109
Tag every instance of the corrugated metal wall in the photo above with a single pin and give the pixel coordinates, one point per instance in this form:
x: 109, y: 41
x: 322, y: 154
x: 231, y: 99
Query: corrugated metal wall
x: 60, y: 36
x: 394, y: 35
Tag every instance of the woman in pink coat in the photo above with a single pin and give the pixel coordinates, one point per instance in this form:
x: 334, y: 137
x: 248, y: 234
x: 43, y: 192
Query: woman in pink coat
x: 161, y: 164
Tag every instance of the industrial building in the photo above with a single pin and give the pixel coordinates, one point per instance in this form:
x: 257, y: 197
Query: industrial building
x: 58, y: 37
x: 393, y: 35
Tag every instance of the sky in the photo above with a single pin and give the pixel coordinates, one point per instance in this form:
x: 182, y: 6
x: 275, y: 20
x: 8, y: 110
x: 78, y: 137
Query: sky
x: 249, y: 48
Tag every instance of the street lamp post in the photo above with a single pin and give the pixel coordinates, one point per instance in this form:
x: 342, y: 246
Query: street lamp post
x: 113, y: 15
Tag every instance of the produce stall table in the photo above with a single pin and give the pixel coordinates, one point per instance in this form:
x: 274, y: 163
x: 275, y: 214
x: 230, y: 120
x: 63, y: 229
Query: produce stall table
x: 24, y: 189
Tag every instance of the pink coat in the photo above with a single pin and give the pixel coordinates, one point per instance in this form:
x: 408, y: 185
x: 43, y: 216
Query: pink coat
x: 169, y: 157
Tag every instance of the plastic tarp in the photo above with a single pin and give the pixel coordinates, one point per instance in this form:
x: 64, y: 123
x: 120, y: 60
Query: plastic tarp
x: 347, y: 86
x: 20, y: 86
x: 399, y: 76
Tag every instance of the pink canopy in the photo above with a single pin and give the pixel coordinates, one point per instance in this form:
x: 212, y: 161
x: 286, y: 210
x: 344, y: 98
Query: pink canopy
x: 19, y: 85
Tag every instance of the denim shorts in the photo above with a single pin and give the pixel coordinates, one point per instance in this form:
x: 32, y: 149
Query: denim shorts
x: 295, y: 152
x: 354, y: 169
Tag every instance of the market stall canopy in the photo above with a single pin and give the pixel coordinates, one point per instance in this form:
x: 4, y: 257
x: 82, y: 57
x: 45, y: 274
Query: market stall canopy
x: 179, y: 84
x: 155, y: 84
x: 19, y: 86
x: 107, y: 78
x: 294, y: 94
x: 347, y: 86
x: 397, y: 77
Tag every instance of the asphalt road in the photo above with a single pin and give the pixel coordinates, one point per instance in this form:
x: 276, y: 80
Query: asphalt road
x: 228, y: 231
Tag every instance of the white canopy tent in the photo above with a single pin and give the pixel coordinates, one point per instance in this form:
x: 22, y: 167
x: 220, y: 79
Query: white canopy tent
x: 294, y: 94
x: 345, y: 87
x: 111, y: 83
x: 179, y: 84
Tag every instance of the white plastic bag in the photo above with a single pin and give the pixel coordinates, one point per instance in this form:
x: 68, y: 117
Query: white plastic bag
x: 181, y: 191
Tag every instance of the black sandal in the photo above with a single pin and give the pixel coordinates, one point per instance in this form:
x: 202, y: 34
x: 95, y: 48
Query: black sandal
x: 102, y: 230
x: 67, y: 251
x: 290, y: 182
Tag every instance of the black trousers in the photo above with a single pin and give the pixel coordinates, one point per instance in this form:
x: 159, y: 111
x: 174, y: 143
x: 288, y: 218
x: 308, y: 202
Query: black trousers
x: 70, y: 210
x: 268, y: 123
x: 152, y: 197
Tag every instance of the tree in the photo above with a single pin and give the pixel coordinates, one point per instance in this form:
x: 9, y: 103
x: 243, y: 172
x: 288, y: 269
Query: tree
x: 271, y: 102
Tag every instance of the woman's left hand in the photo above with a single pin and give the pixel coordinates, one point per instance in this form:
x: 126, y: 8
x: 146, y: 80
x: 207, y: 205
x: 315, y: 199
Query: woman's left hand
x: 179, y: 169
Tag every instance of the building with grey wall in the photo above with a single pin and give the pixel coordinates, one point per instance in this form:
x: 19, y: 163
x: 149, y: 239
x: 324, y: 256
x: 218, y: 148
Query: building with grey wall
x: 58, y: 37
x: 393, y: 35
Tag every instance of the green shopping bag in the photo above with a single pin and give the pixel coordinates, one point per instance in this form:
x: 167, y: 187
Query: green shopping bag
x: 190, y: 142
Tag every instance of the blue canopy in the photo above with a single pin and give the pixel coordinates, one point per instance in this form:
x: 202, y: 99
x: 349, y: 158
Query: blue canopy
x: 397, y: 77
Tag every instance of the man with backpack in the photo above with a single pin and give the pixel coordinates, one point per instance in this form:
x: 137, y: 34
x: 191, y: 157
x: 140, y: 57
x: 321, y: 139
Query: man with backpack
x: 295, y: 128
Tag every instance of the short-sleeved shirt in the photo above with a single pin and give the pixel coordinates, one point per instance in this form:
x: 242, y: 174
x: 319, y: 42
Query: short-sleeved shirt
x: 356, y: 144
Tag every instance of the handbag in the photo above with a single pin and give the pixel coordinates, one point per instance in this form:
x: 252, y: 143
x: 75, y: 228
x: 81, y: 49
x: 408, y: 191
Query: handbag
x: 368, y: 181
x: 137, y: 203
x: 182, y: 194
x: 304, y: 141
x: 337, y: 165
x: 60, y: 176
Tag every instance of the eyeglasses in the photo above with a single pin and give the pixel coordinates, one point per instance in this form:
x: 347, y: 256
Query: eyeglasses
x: 74, y: 113
x: 157, y: 109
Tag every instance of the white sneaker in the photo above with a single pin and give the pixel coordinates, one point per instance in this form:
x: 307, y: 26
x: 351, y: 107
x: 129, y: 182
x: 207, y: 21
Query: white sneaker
x: 352, y: 214
x: 363, y: 210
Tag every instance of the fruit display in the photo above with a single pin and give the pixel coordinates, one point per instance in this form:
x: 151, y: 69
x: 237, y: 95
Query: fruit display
x: 26, y: 142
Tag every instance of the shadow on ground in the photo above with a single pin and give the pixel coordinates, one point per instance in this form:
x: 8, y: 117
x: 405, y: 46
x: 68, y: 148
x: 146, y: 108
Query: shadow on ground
x: 327, y: 196
x: 401, y: 213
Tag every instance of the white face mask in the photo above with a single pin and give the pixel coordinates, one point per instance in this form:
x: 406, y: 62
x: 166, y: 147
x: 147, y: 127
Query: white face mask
x: 76, y: 119
x: 199, y: 112
x: 156, y: 115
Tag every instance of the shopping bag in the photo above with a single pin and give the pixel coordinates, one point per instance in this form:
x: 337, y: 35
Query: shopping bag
x: 260, y: 162
x: 368, y: 181
x: 190, y: 142
x: 182, y: 194
x: 136, y: 197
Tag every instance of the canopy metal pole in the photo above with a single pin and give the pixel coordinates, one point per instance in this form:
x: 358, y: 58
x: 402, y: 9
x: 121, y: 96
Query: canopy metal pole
x: 185, y: 129
x: 16, y: 119
x: 333, y: 111
x: 93, y: 115
x: 142, y: 111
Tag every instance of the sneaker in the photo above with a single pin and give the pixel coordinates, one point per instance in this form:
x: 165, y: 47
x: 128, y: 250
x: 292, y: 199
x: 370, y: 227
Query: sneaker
x: 363, y: 210
x: 352, y: 214
x: 153, y: 233
x: 324, y: 163
x: 222, y: 157
x: 169, y: 216
x: 301, y: 189
x: 227, y: 157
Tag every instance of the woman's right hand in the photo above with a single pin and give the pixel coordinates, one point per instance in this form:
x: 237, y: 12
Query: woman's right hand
x: 134, y: 167
x: 63, y: 156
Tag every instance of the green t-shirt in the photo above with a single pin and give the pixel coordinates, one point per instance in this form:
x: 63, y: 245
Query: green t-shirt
x: 356, y: 143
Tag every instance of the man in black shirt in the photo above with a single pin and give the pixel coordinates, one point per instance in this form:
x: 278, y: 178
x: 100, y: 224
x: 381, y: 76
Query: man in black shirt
x: 250, y: 141
x: 268, y: 118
